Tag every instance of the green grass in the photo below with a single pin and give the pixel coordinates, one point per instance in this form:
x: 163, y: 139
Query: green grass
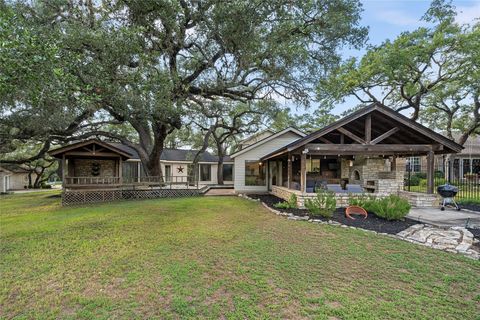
x: 215, y: 257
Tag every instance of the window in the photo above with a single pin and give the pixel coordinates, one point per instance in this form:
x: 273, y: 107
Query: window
x: 476, y: 166
x: 313, y: 165
x: 254, y: 173
x: 413, y: 164
x: 228, y: 172
x: 168, y: 172
x: 205, y: 172
x: 130, y: 171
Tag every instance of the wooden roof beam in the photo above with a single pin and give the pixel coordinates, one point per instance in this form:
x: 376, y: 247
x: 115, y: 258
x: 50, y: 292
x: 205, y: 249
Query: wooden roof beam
x: 351, y: 135
x: 325, y: 140
x: 385, y: 135
x: 369, y: 148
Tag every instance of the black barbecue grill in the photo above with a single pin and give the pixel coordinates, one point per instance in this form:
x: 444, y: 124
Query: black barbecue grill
x: 448, y: 193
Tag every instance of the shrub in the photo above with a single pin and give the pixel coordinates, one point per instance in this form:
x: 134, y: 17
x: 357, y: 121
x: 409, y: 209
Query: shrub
x: 323, y: 205
x: 439, y: 174
x: 414, y: 181
x: 365, y: 201
x: 438, y: 182
x: 391, y: 208
x: 420, y: 175
x: 290, y: 204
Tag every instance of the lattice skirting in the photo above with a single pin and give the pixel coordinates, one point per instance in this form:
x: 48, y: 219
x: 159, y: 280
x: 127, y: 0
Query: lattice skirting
x: 73, y: 197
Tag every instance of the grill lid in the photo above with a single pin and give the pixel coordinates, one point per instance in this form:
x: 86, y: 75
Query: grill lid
x: 447, y: 188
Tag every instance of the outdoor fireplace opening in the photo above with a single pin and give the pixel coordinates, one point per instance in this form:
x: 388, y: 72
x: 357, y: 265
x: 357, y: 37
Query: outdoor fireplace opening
x: 356, y: 175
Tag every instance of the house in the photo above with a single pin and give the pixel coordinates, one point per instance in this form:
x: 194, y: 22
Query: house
x: 362, y: 152
x: 12, y: 177
x: 100, y: 164
x: 250, y: 173
x: 454, y: 166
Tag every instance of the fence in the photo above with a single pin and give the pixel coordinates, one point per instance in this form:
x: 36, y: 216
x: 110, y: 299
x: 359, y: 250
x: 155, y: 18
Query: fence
x: 75, y: 197
x: 468, y: 184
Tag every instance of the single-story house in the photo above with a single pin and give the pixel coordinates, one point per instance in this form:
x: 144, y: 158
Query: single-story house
x: 94, y: 163
x: 12, y: 177
x: 362, y: 152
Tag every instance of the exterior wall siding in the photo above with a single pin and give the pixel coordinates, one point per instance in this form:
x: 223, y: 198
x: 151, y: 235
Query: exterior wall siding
x: 255, y: 154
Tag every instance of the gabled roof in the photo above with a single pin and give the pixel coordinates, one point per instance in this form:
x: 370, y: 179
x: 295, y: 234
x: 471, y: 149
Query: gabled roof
x: 130, y: 153
x: 57, y: 153
x: 409, y: 131
x: 269, y: 138
x: 175, y: 154
x: 12, y: 168
x: 254, y: 136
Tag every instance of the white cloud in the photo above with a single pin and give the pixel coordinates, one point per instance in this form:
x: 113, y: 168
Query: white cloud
x: 399, y: 18
x: 467, y: 14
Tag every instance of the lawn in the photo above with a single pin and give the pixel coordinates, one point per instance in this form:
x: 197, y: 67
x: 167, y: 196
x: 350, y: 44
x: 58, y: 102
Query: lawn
x: 215, y: 257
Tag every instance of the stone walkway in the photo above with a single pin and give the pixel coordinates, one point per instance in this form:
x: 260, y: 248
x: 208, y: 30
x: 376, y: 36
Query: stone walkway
x: 447, y: 218
x: 454, y: 239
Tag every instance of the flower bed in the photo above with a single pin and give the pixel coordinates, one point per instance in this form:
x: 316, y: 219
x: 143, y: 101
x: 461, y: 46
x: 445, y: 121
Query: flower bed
x: 372, y: 223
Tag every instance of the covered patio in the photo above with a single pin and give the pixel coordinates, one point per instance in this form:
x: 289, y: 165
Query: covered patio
x: 362, y: 153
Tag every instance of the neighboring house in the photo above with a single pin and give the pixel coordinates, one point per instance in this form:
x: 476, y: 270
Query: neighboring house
x: 12, y: 177
x: 95, y: 163
x: 456, y: 165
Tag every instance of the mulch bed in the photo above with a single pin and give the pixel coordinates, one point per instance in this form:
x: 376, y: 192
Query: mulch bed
x: 470, y: 206
x: 373, y: 222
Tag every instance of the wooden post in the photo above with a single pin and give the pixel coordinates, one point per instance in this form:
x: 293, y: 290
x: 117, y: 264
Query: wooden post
x: 289, y: 170
x: 63, y: 170
x: 120, y: 179
x: 303, y: 172
x: 342, y: 138
x: 139, y: 169
x: 368, y: 129
x: 430, y: 171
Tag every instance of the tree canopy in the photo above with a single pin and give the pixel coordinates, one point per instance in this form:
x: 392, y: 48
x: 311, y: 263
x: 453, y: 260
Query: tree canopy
x: 88, y: 65
x: 431, y: 72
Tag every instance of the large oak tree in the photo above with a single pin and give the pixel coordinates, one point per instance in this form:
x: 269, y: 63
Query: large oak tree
x: 432, y: 73
x: 143, y: 62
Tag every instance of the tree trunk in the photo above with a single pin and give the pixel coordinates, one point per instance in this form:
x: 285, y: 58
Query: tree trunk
x: 196, y: 158
x: 220, y: 153
x: 29, y: 180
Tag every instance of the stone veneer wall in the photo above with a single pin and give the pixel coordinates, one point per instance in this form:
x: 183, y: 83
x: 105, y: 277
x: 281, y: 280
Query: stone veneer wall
x: 378, y: 170
x: 418, y: 199
x: 83, y: 167
x: 285, y: 194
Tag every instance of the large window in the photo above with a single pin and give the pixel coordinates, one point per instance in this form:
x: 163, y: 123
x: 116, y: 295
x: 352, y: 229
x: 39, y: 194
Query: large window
x: 228, y: 172
x: 130, y: 171
x: 254, y: 173
x: 413, y: 164
x: 205, y: 172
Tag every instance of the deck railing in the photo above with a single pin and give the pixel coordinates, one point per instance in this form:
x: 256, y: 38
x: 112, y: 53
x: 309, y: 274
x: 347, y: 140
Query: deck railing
x: 92, y: 180
x: 158, y: 181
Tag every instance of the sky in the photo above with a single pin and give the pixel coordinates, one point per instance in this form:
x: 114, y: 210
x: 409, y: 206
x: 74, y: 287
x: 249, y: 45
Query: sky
x: 386, y: 19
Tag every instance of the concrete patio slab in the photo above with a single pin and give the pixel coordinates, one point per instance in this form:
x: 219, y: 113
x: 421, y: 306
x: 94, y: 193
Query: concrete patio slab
x: 220, y: 192
x: 447, y: 218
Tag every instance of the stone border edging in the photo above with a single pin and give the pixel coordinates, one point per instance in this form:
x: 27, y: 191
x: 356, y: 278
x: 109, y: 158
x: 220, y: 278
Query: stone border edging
x: 409, y: 234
